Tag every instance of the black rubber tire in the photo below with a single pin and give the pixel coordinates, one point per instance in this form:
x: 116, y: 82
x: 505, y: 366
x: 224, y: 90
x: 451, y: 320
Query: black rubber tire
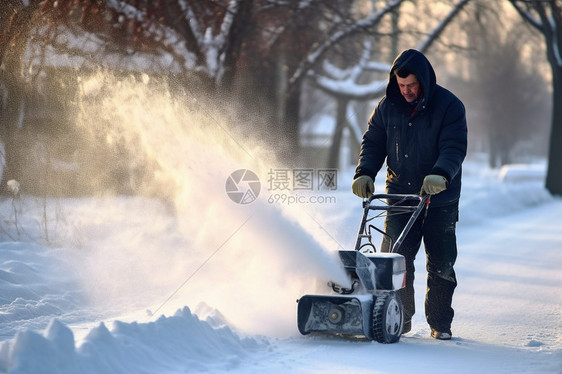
x: 388, y: 318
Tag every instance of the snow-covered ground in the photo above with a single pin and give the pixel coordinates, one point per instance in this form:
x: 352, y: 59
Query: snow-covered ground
x: 126, y: 286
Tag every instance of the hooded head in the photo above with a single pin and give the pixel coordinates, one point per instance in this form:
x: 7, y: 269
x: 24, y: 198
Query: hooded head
x: 416, y: 63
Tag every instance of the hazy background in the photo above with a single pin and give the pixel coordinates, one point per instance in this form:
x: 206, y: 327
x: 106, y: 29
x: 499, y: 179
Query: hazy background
x: 296, y: 78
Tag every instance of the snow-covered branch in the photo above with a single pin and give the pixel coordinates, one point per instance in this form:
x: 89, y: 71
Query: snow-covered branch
x: 73, y: 47
x: 273, y: 4
x: 351, y: 89
x: 344, y: 82
x: 315, y: 56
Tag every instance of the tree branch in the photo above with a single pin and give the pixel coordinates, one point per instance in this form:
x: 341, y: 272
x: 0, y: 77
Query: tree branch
x: 527, y: 16
x: 314, y: 57
x: 349, y: 87
x: 424, y: 45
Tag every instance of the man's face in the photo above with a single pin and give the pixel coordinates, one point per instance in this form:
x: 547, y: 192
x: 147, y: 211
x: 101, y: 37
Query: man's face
x: 409, y: 87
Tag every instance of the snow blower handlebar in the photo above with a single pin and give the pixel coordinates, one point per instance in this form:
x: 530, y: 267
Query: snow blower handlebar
x: 395, y: 204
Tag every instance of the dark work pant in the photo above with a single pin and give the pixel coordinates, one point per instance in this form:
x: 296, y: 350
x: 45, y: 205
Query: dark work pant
x: 437, y: 229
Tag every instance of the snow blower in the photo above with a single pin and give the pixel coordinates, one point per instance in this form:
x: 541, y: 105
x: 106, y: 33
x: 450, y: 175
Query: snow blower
x: 370, y: 308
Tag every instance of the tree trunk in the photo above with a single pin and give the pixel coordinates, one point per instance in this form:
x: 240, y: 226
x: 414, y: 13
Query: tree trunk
x: 335, y: 148
x: 14, y: 23
x: 13, y: 29
x: 395, y: 38
x: 290, y: 147
x: 550, y: 25
x: 240, y: 30
x: 552, y: 31
x: 11, y: 116
x: 554, y: 171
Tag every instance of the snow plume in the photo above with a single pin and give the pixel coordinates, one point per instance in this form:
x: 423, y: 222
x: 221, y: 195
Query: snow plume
x: 249, y: 261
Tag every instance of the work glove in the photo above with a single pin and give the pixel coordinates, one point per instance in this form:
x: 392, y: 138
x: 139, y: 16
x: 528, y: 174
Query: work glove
x: 433, y: 184
x: 363, y: 186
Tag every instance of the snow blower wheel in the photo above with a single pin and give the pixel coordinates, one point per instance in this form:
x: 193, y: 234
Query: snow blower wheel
x: 371, y: 307
x: 388, y: 318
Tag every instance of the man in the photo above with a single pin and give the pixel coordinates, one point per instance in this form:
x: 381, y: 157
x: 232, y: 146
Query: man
x: 419, y: 128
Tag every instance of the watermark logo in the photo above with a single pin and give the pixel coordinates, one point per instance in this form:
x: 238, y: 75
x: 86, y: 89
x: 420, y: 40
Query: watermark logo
x: 243, y: 186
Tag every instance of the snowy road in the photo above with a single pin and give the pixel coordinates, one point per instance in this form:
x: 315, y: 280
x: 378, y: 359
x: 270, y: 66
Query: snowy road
x: 511, y: 279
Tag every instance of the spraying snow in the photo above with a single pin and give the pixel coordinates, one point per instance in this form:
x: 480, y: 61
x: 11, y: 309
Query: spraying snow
x: 188, y: 153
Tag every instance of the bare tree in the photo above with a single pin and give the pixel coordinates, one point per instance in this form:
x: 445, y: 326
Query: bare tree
x: 508, y: 119
x: 546, y: 17
x: 356, y: 81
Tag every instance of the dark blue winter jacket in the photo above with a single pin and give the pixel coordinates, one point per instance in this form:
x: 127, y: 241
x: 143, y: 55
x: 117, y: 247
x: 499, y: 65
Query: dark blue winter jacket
x: 432, y: 140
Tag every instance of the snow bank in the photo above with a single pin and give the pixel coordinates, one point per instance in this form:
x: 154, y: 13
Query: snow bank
x: 516, y: 173
x: 491, y: 193
x: 170, y: 342
x: 35, y: 285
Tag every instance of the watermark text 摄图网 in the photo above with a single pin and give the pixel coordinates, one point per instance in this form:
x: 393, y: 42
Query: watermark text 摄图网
x: 292, y: 186
x: 286, y: 186
x: 292, y: 199
x: 302, y: 179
